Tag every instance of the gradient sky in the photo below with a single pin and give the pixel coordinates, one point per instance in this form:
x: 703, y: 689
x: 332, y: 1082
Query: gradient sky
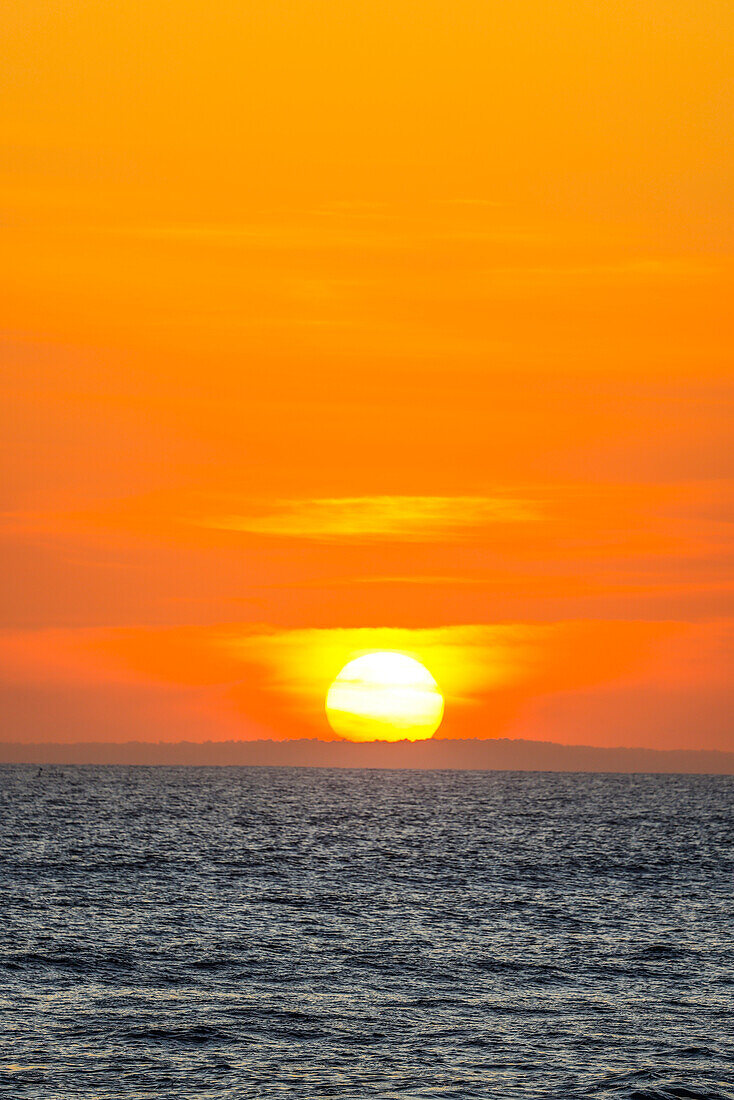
x: 329, y: 327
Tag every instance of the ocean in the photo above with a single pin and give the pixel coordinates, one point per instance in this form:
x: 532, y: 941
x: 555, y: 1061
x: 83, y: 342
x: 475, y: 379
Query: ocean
x: 283, y: 932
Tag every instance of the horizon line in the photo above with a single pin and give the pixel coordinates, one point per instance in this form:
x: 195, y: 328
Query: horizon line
x: 475, y: 754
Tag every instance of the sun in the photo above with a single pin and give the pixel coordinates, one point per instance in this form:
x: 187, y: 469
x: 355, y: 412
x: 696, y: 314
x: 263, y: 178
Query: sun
x: 384, y: 696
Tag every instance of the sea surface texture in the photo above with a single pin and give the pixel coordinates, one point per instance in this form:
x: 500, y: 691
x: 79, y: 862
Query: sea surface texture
x: 256, y: 932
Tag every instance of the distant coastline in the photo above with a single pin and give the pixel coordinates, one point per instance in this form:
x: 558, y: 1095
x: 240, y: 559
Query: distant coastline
x: 491, y: 754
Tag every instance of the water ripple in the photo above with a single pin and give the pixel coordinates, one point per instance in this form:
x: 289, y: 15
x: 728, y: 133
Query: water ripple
x: 283, y: 933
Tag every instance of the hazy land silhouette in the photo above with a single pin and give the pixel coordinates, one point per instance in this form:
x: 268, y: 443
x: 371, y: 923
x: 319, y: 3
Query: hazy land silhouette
x: 500, y: 754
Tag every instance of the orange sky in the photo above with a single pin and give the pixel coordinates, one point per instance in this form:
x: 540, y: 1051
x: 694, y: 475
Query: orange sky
x: 329, y: 326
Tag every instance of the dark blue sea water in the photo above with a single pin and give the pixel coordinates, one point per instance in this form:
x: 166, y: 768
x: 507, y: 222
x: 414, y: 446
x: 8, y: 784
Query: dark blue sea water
x: 245, y: 932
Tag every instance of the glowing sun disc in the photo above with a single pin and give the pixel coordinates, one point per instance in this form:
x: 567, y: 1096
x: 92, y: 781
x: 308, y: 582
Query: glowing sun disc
x: 384, y: 696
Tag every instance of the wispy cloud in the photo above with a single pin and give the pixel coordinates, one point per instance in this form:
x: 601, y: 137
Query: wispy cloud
x: 388, y: 517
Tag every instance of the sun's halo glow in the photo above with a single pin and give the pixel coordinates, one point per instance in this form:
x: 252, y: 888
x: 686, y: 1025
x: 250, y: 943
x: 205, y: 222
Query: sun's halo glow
x: 384, y: 696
